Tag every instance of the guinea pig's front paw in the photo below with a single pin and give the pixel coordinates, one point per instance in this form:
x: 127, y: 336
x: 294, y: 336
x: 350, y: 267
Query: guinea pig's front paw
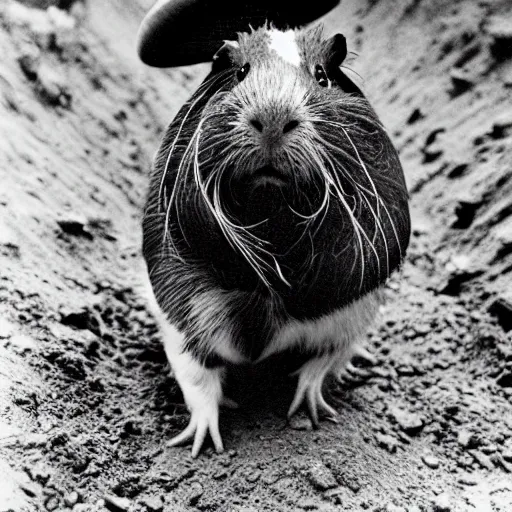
x: 309, y: 387
x: 203, y: 420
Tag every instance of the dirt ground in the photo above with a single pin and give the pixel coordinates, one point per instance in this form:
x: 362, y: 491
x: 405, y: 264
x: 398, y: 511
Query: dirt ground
x: 86, y: 400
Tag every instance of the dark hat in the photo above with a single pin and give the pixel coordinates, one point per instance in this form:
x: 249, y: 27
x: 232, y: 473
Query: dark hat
x: 181, y: 32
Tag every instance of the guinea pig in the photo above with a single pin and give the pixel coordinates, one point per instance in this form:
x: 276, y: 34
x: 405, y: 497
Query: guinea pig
x: 277, y: 210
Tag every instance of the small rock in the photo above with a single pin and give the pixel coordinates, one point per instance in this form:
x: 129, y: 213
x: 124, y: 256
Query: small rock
x: 482, y: 459
x: 152, y: 503
x: 466, y: 439
x: 441, y: 503
x: 321, y: 477
x: 300, y: 423
x: 117, y: 504
x: 507, y: 455
x: 52, y: 503
x: 307, y: 504
x: 253, y: 476
x: 29, y: 61
x: 39, y: 473
x: 468, y: 479
x: 409, y: 422
x: 22, y: 342
x: 71, y: 499
x: 430, y: 461
x: 196, y: 491
x: 499, y: 461
x: 52, y: 86
x: 500, y: 29
x: 387, y: 442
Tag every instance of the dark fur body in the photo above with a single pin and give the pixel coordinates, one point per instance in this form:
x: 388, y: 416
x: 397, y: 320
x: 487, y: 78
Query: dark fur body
x: 325, y: 265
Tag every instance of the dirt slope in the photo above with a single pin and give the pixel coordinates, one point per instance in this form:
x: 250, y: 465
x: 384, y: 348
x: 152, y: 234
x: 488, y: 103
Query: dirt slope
x: 86, y: 402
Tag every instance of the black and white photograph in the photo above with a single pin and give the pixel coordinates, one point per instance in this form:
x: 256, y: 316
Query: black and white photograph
x: 255, y: 256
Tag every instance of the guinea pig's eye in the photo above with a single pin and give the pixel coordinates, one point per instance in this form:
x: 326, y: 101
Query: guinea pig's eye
x: 321, y: 76
x: 242, y: 72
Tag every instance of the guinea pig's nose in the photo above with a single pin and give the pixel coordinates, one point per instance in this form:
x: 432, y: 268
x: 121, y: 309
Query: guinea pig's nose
x: 257, y: 124
x: 288, y: 127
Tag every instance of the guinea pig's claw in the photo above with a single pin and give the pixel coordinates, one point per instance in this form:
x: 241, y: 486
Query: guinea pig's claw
x: 200, y: 424
x: 315, y: 402
x: 362, y: 353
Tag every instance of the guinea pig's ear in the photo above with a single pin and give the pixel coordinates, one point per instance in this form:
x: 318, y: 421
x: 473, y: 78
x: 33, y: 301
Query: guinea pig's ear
x: 336, y: 54
x: 225, y: 57
x: 337, y: 50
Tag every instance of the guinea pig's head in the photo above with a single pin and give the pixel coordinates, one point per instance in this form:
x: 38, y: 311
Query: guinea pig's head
x: 286, y: 122
x: 270, y: 124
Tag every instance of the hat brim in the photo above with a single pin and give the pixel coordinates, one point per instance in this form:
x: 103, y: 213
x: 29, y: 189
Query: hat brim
x: 183, y: 32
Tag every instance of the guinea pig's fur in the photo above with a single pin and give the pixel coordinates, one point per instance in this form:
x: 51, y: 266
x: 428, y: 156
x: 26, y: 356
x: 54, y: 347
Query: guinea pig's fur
x: 277, y: 208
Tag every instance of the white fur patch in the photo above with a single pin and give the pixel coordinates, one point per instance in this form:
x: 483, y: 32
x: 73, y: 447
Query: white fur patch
x: 341, y: 329
x: 285, y: 45
x: 209, y: 319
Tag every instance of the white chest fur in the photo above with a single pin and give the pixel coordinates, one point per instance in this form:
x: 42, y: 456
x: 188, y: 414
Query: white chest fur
x: 338, y: 331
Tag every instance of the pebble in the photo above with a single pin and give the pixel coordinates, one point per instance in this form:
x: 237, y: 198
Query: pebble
x: 500, y: 29
x: 196, y: 491
x: 298, y: 423
x: 116, y: 503
x: 22, y: 342
x: 482, y: 459
x: 409, y: 422
x: 307, y: 504
x: 29, y: 61
x: 387, y: 442
x: 499, y: 461
x: 468, y: 479
x: 71, y: 499
x: 52, y: 503
x: 253, y: 476
x: 465, y: 438
x: 430, y: 461
x: 321, y: 477
x: 153, y: 503
x: 441, y: 503
x: 52, y: 86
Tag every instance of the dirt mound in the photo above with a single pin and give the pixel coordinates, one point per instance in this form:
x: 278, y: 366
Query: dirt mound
x: 86, y: 399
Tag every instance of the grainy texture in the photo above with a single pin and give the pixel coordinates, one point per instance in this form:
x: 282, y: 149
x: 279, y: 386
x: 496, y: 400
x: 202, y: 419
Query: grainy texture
x: 86, y: 401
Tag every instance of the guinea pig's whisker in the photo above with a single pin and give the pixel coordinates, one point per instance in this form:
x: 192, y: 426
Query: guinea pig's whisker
x: 356, y: 224
x: 352, y: 71
x: 239, y: 237
x: 203, y: 90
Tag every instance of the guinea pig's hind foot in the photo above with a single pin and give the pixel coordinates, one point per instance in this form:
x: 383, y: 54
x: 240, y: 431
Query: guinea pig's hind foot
x: 309, y: 387
x: 202, y: 422
x: 202, y: 390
